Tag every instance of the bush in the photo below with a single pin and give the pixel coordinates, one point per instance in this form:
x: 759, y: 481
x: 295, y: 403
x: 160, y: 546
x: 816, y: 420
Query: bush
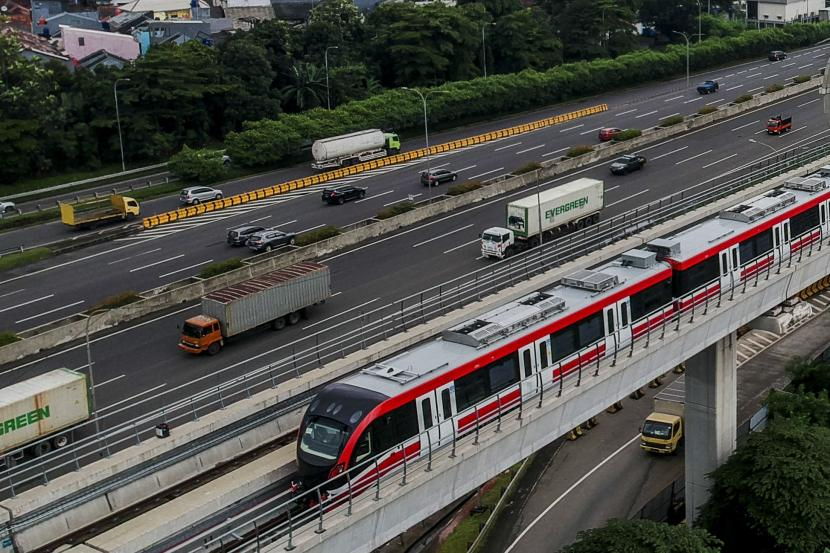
x: 395, y: 209
x: 527, y: 168
x: 312, y: 236
x: 7, y: 338
x: 706, y: 110
x: 12, y: 260
x: 670, y: 121
x: 742, y: 98
x: 463, y: 188
x: 627, y: 134
x: 220, y: 267
x: 29, y: 219
x: 198, y: 165
x: 117, y: 300
x: 801, y: 79
x: 775, y: 87
x: 577, y: 151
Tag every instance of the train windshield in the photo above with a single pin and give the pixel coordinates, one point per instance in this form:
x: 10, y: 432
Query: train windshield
x: 323, y: 437
x: 658, y: 430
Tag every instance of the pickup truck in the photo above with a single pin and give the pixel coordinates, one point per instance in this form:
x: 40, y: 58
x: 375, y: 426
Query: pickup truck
x: 707, y: 87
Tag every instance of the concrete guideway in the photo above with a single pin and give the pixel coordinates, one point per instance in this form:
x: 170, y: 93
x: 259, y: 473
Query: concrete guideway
x: 36, y: 518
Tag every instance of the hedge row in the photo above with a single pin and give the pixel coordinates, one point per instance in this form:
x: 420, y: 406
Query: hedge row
x: 269, y: 142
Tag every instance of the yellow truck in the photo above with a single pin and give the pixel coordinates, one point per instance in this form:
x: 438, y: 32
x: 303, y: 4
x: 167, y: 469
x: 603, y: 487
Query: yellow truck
x: 97, y: 211
x: 664, y: 428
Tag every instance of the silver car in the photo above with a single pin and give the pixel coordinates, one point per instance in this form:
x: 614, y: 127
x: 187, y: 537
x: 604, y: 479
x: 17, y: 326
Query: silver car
x: 7, y: 208
x: 199, y: 194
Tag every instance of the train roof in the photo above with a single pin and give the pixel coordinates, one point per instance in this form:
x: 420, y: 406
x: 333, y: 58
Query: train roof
x: 476, y: 338
x: 695, y: 243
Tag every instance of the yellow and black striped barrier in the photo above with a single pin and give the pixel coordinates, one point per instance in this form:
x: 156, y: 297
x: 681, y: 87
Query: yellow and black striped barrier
x: 815, y: 288
x: 215, y: 205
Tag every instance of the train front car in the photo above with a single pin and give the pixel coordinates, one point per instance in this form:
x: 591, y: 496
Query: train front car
x: 326, y: 427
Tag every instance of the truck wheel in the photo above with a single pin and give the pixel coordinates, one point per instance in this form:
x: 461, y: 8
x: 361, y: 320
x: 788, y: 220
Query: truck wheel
x: 60, y: 441
x: 214, y: 348
x: 278, y: 324
x: 293, y: 318
x: 42, y: 448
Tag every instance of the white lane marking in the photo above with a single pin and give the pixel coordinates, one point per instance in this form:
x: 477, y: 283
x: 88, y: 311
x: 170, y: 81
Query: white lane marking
x: 568, y: 491
x: 144, y: 393
x: 672, y: 114
x: 110, y: 380
x: 752, y: 69
x: 644, y: 114
x: 448, y: 233
x: 746, y: 125
x: 487, y: 173
x: 48, y: 312
x: 627, y: 198
x: 466, y: 168
x: 761, y: 131
x: 572, y: 128
x: 693, y: 157
x: 367, y: 198
x: 718, y: 161
x: 674, y: 98
x: 730, y: 75
x: 755, y: 89
x: 12, y: 293
x: 625, y: 112
x: 810, y: 102
x: 612, y: 188
x: 716, y: 101
x: 770, y: 77
x: 186, y: 268
x: 530, y: 149
x: 734, y: 87
x: 465, y: 244
x: 340, y: 313
x: 336, y: 294
x: 311, y: 228
x: 133, y: 256
x: 157, y: 263
x: 259, y: 219
x: 408, y: 198
x: 693, y: 100
x: 285, y: 223
x: 508, y: 146
x: 803, y: 66
x: 667, y: 154
x: 554, y: 152
x: 592, y: 130
x: 753, y: 75
x: 26, y: 303
x: 787, y: 65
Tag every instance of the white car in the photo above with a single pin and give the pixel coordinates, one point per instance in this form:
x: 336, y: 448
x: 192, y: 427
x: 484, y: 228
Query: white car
x: 7, y: 208
x: 199, y: 194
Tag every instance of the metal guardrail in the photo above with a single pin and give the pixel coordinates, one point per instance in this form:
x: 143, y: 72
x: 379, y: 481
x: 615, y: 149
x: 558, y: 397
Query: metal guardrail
x: 374, y: 325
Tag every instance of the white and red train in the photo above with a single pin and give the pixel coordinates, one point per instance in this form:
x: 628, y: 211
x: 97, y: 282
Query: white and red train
x: 444, y: 387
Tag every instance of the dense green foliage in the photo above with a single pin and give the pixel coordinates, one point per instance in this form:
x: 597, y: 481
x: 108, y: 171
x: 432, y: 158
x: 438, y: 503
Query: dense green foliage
x: 742, y: 98
x: 670, y: 121
x: 463, y: 187
x: 116, y: 300
x: 7, y: 338
x: 706, y: 110
x: 579, y: 150
x: 220, y: 267
x: 316, y: 235
x: 627, y: 134
x: 643, y: 536
x: 395, y: 209
x: 18, y: 259
x: 198, y: 165
x: 775, y: 87
x: 527, y: 168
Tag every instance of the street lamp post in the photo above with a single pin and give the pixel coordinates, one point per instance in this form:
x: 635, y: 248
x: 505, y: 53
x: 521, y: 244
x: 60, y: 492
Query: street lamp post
x: 699, y: 34
x: 118, y: 119
x: 484, y: 48
x: 91, y: 372
x: 687, y: 55
x: 326, y: 57
x: 426, y: 130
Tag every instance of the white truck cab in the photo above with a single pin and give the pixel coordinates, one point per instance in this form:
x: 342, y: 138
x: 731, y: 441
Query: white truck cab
x: 495, y: 242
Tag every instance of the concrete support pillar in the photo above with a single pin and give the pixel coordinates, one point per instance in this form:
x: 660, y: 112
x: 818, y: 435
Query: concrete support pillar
x: 710, y: 417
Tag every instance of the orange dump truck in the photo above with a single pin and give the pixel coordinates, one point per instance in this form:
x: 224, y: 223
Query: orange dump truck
x: 278, y: 298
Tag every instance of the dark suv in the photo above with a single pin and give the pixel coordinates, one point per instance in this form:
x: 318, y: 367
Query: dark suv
x: 343, y: 194
x: 268, y: 239
x: 239, y: 235
x: 435, y: 177
x: 777, y: 55
x: 627, y: 163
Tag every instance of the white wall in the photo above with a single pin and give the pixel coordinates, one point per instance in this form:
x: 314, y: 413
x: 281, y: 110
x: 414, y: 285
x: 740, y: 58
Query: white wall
x: 774, y: 12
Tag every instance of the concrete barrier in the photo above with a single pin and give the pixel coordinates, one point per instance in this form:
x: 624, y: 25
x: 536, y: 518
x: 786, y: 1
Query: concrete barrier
x: 33, y: 524
x: 191, y: 289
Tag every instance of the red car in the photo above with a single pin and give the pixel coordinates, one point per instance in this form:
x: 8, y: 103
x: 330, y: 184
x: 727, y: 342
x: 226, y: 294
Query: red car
x: 607, y: 133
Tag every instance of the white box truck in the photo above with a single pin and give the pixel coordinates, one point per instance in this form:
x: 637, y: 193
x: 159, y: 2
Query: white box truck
x: 45, y: 406
x: 277, y: 298
x: 563, y: 209
x: 356, y: 147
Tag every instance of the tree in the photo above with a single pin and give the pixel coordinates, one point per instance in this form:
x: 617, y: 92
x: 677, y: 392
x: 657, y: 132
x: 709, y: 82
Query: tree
x: 246, y: 68
x: 643, y: 536
x: 496, y: 8
x: 523, y: 40
x: 594, y: 28
x: 198, y: 165
x: 351, y: 82
x: 307, y: 89
x: 808, y: 375
x: 773, y: 494
x: 334, y: 23
x: 679, y: 15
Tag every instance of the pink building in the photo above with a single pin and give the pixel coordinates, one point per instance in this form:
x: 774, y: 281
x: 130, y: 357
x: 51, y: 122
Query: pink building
x: 79, y: 43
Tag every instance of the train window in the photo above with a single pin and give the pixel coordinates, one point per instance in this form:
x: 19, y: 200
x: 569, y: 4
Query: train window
x: 823, y: 211
x: 589, y: 330
x: 611, y: 321
x: 502, y: 373
x: 470, y: 389
x: 756, y: 246
x: 735, y: 263
x: 563, y: 343
x: 692, y: 278
x: 804, y: 221
x: 624, y: 315
x: 527, y: 359
x: 405, y: 419
x: 651, y: 299
x: 446, y: 403
x: 363, y: 448
x: 543, y: 354
x: 323, y: 437
x: 426, y: 411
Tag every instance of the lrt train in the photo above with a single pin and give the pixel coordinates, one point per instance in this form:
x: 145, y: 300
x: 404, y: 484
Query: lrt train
x: 426, y: 396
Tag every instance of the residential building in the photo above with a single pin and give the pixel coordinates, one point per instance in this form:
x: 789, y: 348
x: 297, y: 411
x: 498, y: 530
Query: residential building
x: 18, y: 12
x: 125, y: 22
x: 168, y: 9
x: 244, y: 11
x: 208, y: 32
x: 33, y: 47
x: 80, y: 43
x: 42, y: 10
x: 779, y: 12
x: 102, y: 58
x: 50, y: 26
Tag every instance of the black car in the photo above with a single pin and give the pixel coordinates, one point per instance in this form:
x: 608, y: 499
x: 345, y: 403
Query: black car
x: 343, y: 194
x: 435, y: 177
x: 627, y: 163
x: 268, y: 239
x: 239, y: 236
x: 777, y: 55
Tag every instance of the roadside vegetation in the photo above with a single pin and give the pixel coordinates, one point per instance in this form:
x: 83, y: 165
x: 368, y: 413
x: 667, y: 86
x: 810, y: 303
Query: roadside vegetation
x: 316, y: 235
x: 705, y: 110
x: 527, y: 168
x: 627, y: 134
x: 116, y: 300
x: 220, y: 267
x: 577, y: 151
x: 395, y: 209
x: 7, y: 338
x: 671, y: 121
x: 26, y: 257
x: 463, y: 187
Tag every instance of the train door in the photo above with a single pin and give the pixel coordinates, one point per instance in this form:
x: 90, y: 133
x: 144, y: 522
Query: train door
x: 781, y: 240
x: 823, y: 219
x: 730, y: 268
x: 617, y: 320
x: 527, y: 368
x: 428, y: 422
x: 446, y: 411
